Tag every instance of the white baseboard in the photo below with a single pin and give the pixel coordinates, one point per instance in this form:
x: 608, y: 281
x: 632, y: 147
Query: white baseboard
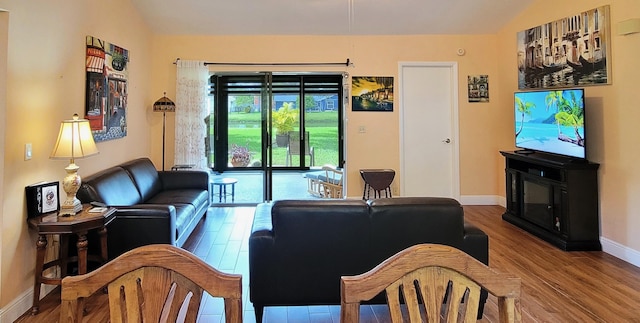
x: 482, y: 200
x: 620, y: 251
x: 22, y: 304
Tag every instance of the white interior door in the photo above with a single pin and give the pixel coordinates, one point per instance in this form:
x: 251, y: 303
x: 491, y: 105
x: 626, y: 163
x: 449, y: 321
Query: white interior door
x: 429, y: 164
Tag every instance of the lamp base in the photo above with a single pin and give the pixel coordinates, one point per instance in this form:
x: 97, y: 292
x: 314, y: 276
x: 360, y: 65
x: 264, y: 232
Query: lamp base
x: 71, y: 184
x: 69, y: 210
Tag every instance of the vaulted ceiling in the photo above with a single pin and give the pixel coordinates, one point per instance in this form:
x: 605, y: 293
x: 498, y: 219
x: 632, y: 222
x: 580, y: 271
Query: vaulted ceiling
x: 328, y: 17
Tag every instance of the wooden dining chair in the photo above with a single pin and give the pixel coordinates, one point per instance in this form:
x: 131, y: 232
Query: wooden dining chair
x: 153, y: 283
x: 431, y: 283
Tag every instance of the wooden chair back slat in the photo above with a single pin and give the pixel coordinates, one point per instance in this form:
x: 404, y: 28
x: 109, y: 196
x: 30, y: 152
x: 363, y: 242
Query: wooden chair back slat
x: 156, y: 283
x: 431, y: 283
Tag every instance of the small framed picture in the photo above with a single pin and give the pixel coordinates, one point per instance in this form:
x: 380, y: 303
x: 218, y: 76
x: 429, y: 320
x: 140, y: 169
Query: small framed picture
x: 42, y: 198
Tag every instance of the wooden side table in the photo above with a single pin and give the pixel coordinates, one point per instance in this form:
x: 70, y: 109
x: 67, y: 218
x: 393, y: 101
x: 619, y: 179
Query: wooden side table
x: 222, y: 188
x: 78, y: 224
x: 377, y: 180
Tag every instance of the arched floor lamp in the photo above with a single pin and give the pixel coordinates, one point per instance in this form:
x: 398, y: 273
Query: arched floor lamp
x: 164, y: 105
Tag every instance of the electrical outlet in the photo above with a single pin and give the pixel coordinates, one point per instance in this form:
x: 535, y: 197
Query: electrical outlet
x: 362, y: 129
x: 28, y: 151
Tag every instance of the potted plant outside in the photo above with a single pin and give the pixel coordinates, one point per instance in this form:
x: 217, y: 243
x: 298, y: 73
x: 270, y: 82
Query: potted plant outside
x: 240, y: 156
x: 284, y: 120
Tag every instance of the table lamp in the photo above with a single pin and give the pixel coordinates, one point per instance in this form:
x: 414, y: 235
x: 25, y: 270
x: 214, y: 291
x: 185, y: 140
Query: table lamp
x: 164, y: 105
x: 75, y: 140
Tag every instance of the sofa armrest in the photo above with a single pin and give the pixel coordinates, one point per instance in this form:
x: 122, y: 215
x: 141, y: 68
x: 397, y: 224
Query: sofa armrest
x: 188, y: 179
x: 262, y: 220
x: 262, y: 252
x: 476, y: 243
x: 140, y: 225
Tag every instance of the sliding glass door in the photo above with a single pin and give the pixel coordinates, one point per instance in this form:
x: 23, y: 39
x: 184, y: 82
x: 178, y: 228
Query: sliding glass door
x: 273, y: 129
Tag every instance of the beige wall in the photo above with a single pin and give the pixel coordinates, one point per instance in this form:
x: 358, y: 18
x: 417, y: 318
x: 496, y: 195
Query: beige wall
x: 45, y: 83
x: 4, y: 32
x: 372, y: 56
x: 612, y: 115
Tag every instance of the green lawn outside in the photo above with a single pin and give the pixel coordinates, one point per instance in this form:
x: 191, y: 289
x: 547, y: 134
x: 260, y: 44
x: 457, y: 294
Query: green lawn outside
x: 322, y: 139
x: 252, y: 120
x: 244, y: 129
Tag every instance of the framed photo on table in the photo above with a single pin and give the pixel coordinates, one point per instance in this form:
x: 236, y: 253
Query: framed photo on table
x: 43, y: 197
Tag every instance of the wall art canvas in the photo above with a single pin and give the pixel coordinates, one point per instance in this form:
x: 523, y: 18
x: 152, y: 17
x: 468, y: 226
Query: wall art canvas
x: 371, y: 93
x: 572, y: 51
x: 478, y: 88
x: 107, y: 87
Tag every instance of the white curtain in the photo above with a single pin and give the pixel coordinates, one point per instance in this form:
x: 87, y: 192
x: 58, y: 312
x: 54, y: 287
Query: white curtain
x: 191, y: 109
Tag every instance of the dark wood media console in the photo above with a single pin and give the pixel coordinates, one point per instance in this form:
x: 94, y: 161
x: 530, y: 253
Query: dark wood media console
x: 554, y: 198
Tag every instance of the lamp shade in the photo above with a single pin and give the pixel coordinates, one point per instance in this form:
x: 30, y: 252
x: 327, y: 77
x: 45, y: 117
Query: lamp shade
x: 164, y: 104
x: 75, y: 140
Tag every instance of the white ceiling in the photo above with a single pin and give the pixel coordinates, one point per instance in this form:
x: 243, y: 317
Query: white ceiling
x: 328, y: 17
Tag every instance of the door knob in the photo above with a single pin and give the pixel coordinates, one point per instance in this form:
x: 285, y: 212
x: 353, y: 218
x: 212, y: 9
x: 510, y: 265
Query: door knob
x: 447, y: 141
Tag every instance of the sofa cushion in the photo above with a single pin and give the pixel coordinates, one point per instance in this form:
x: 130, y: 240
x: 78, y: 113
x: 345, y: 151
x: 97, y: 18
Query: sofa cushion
x: 184, y: 215
x: 313, y: 236
x: 112, y: 186
x: 145, y: 176
x: 402, y: 222
x: 197, y: 198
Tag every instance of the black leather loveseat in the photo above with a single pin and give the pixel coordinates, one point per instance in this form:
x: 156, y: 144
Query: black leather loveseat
x: 298, y: 250
x: 152, y: 206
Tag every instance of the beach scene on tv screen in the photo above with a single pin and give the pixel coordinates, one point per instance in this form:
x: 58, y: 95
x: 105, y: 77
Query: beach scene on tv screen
x: 551, y: 121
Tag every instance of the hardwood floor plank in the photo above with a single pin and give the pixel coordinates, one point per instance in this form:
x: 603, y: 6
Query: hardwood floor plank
x: 320, y: 317
x: 298, y: 314
x: 557, y: 286
x: 275, y: 314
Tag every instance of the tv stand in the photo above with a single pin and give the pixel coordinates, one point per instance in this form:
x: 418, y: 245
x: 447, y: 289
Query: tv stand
x: 554, y: 198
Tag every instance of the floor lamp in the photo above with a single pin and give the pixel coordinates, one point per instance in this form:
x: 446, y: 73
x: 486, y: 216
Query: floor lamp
x: 164, y: 105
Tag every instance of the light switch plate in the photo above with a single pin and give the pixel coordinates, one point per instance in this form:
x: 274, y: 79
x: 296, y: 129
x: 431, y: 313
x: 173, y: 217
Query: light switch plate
x: 28, y: 152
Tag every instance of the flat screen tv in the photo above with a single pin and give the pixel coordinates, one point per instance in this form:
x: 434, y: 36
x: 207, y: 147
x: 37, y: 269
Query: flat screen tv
x: 551, y: 122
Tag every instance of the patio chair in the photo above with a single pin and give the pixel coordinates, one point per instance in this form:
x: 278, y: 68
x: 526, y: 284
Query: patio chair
x: 331, y: 182
x: 293, y: 148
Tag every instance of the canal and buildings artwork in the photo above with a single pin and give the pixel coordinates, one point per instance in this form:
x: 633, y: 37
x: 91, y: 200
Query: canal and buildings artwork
x: 372, y: 93
x: 572, y: 51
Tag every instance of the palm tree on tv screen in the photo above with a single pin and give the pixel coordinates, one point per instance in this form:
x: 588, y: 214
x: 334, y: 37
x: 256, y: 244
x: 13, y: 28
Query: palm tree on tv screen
x: 525, y: 109
x: 553, y: 99
x: 571, y: 114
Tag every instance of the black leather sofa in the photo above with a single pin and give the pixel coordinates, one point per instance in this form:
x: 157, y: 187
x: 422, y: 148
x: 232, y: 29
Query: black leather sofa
x: 152, y: 206
x: 298, y: 250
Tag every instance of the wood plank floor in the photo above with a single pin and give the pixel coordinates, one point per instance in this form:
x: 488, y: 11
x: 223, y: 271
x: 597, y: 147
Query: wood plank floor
x: 557, y: 286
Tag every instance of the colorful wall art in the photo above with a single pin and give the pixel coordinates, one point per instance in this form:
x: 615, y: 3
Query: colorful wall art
x: 107, y: 87
x: 478, y: 88
x: 371, y: 93
x: 572, y: 51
